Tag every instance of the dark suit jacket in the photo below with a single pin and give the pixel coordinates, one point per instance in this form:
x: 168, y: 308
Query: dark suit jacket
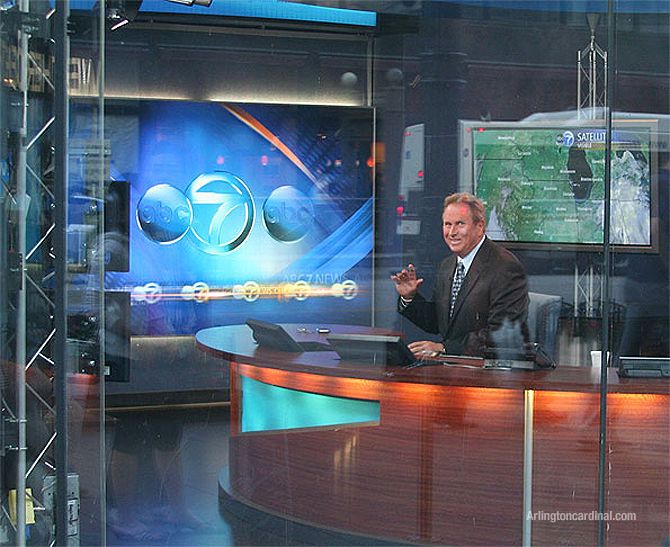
x: 491, y: 307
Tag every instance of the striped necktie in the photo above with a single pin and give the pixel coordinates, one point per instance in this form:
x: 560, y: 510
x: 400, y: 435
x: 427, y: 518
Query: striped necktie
x: 456, y: 286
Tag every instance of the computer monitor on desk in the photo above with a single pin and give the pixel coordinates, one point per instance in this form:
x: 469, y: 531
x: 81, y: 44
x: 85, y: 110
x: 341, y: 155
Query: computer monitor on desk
x: 644, y: 367
x: 529, y: 357
x: 377, y: 349
x: 274, y: 336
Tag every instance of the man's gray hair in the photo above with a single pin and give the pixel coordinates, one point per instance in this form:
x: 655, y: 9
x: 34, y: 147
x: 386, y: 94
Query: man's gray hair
x: 476, y: 205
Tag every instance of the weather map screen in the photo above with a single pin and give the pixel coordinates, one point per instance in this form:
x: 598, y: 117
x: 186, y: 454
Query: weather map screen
x: 242, y: 210
x: 546, y: 185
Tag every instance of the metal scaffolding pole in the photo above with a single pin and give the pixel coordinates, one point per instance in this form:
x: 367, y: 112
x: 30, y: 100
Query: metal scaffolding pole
x: 22, y: 206
x: 60, y: 319
x: 602, y: 444
x: 101, y: 279
x: 591, y: 96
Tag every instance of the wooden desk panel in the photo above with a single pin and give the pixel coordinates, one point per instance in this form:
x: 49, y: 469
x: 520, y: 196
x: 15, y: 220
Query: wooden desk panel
x: 476, y: 485
x: 444, y: 465
x: 638, y: 433
x: 565, y: 467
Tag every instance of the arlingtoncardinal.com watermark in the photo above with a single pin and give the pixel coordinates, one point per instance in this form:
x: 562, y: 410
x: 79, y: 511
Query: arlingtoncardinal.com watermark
x: 557, y: 516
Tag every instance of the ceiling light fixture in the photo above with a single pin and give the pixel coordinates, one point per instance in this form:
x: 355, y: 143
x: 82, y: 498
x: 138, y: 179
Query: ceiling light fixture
x: 119, y: 24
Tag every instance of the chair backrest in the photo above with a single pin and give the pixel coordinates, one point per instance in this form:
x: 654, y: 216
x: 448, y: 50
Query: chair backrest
x: 544, y: 311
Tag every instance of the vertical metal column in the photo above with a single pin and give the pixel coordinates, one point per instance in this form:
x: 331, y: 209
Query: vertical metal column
x: 594, y: 97
x: 61, y: 111
x: 369, y: 76
x: 590, y: 97
x: 22, y: 206
x: 529, y: 413
x: 101, y: 280
x: 602, y: 443
x: 4, y: 286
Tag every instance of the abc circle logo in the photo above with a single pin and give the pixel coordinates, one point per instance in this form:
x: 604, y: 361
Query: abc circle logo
x: 199, y: 292
x: 149, y: 293
x: 216, y: 211
x: 568, y: 138
x: 164, y: 214
x: 347, y: 289
x: 288, y: 214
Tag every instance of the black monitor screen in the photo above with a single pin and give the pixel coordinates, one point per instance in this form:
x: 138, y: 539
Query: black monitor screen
x: 372, y: 348
x: 273, y: 336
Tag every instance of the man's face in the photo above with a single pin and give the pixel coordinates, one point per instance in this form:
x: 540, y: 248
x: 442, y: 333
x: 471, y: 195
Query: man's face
x: 459, y: 229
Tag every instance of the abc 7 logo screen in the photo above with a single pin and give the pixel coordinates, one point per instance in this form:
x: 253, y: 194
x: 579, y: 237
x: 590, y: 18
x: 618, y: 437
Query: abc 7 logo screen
x: 216, y: 213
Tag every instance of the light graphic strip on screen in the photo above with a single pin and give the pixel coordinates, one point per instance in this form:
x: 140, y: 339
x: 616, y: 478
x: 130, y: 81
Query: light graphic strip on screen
x: 251, y: 291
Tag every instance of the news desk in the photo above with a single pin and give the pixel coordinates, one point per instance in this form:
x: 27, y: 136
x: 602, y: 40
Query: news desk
x: 443, y: 454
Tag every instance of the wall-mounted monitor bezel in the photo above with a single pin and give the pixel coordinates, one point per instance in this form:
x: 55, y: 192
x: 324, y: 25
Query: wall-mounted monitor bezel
x: 304, y: 239
x: 468, y: 176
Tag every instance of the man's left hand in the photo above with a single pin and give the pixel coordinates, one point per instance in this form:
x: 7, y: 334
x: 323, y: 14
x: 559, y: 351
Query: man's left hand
x: 425, y: 348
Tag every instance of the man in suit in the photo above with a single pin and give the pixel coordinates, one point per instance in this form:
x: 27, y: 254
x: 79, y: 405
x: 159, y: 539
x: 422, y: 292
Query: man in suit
x: 489, y: 306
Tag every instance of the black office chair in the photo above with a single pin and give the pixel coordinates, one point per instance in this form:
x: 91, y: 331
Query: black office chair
x: 544, y: 311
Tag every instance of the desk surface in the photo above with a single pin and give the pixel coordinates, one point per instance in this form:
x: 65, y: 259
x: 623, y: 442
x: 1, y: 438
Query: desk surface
x: 236, y: 343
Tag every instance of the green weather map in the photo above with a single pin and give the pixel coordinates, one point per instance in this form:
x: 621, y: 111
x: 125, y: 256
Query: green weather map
x: 547, y: 185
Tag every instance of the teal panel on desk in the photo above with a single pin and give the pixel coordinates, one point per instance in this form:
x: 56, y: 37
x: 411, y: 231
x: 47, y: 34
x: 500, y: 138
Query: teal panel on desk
x: 266, y: 407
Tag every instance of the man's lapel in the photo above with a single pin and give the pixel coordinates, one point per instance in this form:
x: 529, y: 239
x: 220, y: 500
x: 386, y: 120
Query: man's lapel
x: 476, y: 268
